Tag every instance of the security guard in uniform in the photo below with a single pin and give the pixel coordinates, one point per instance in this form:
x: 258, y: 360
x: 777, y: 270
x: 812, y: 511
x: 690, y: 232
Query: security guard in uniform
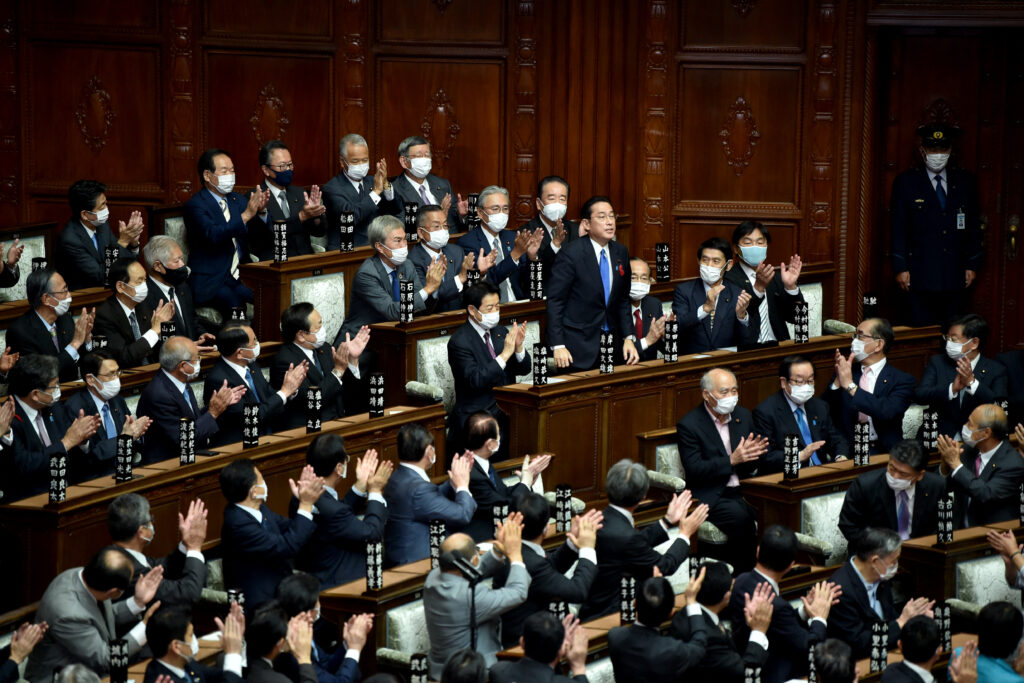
x: 936, y: 241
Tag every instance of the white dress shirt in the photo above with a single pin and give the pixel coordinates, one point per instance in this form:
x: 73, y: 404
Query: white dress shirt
x: 416, y: 188
x: 497, y: 352
x: 972, y: 387
x: 149, y: 335
x: 240, y: 371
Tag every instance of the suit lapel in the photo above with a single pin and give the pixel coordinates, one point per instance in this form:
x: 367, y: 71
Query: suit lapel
x: 711, y: 432
x: 30, y: 432
x: 382, y: 273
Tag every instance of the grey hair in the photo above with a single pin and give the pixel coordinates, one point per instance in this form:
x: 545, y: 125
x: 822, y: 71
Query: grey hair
x: 489, y: 190
x: 626, y: 483
x: 350, y: 139
x: 159, y: 249
x: 708, y: 384
x: 77, y: 673
x: 411, y: 141
x: 126, y: 514
x: 174, y: 351
x: 382, y: 226
x: 877, y: 541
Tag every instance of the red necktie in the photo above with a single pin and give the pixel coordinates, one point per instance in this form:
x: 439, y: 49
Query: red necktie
x: 639, y: 325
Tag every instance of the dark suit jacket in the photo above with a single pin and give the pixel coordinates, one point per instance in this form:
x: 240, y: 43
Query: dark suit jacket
x: 28, y: 334
x: 640, y: 654
x: 1013, y: 362
x: 781, y: 306
x: 333, y: 668
x: 547, y: 253
x: 26, y: 463
x: 487, y: 494
x: 197, y: 672
x: 184, y: 577
x: 102, y: 455
x: 775, y: 419
x: 372, y: 300
x: 257, y: 556
x: 790, y: 638
x: 261, y: 232
x: 899, y: 673
x: 80, y: 262
x: 650, y: 310
x: 516, y: 272
x: 112, y: 323
x: 339, y: 196
x: 934, y: 391
x: 439, y: 187
x: 210, y: 241
x: 165, y: 405
x: 9, y: 276
x: 994, y: 495
x: 449, y: 298
x: 232, y: 420
x: 893, y: 394
x: 925, y: 239
x: 576, y: 306
x: 186, y: 321
x: 412, y: 504
x: 722, y: 662
x: 703, y: 454
x: 870, y: 502
x: 476, y: 373
x: 527, y: 669
x: 697, y: 336
x: 331, y: 390
x: 852, y: 618
x: 336, y: 553
x: 623, y: 550
x: 259, y: 671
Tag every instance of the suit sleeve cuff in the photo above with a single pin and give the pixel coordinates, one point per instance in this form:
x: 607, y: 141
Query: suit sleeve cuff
x: 957, y: 469
x: 389, y: 192
x: 151, y: 337
x: 701, y: 313
x: 135, y: 608
x: 823, y: 622
x: 693, y: 610
x: 424, y: 295
x: 745, y: 320
x: 464, y: 488
x: 973, y: 387
x: 352, y: 653
x: 379, y: 498
x: 952, y: 394
x: 759, y: 638
x: 792, y: 292
x: 284, y: 397
x: 354, y: 369
x: 559, y: 346
x: 191, y: 553
x: 8, y: 438
x: 374, y: 196
x: 458, y: 284
x: 517, y: 564
x: 233, y: 663
x: 138, y: 632
x: 588, y: 554
x: 305, y: 513
x: 555, y: 247
x: 520, y: 356
x: 500, y: 361
x: 72, y: 351
x: 643, y: 344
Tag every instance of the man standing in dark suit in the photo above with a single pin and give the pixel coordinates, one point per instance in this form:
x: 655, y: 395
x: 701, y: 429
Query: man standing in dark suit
x: 936, y: 240
x: 545, y: 642
x: 172, y: 639
x: 123, y: 317
x: 169, y: 397
x: 622, y: 550
x: 237, y: 366
x: 302, y: 212
x: 48, y: 328
x: 774, y: 293
x: 10, y: 273
x: 482, y: 355
x: 215, y: 220
x: 722, y: 662
x: 795, y: 410
x: 646, y: 311
x: 986, y: 478
x: 961, y: 379
x: 717, y: 448
x: 269, y: 632
x: 904, y: 497
x: 792, y: 633
x: 712, y: 312
x: 167, y: 282
x: 589, y: 293
x: 552, y: 201
x: 921, y: 645
x: 871, y: 391
x: 355, y: 190
x: 433, y: 245
x: 259, y: 544
x: 417, y: 184
x: 81, y: 247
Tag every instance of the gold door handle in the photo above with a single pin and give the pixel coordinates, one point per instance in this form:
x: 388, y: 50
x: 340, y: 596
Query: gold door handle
x: 1012, y: 231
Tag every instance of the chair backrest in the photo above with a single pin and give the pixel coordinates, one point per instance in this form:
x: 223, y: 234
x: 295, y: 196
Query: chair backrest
x: 815, y: 306
x: 132, y: 401
x: 532, y: 337
x: 327, y: 293
x: 197, y: 389
x: 913, y: 419
x: 170, y: 221
x: 819, y: 518
x: 432, y: 367
x: 983, y: 581
x: 681, y: 577
x: 601, y: 671
x: 407, y: 628
x: 667, y: 460
x: 36, y: 238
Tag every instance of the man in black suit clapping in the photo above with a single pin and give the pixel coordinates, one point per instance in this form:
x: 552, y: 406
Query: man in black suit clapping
x: 921, y: 645
x: 131, y: 327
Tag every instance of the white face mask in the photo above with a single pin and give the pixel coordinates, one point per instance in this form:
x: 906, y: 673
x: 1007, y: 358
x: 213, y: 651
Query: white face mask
x: 489, y: 320
x: 638, y: 290
x: 316, y: 613
x: 497, y: 222
x: 152, y: 532
x: 255, y: 351
x: 102, y: 216
x: 63, y: 306
x: 399, y: 255
x: 709, y: 274
x: 955, y: 350
x: 54, y: 395
x: 357, y: 171
x: 726, y: 405
x: 109, y: 390
x: 936, y: 162
x: 321, y: 337
x: 195, y: 369
x: 497, y: 445
x: 266, y: 491
x: 966, y: 435
x: 193, y: 646
x: 433, y: 455
x: 438, y: 239
x: 554, y: 211
x: 857, y: 349
x: 420, y: 167
x: 889, y: 571
x: 897, y: 484
x: 140, y: 293
x: 801, y: 394
x: 226, y: 183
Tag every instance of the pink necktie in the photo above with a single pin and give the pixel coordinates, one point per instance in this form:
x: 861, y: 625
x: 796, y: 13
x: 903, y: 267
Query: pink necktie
x: 490, y: 349
x: 977, y: 466
x: 44, y: 435
x: 861, y: 417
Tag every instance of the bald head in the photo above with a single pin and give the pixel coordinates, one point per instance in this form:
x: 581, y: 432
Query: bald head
x: 721, y: 390
x: 108, y: 573
x: 988, y: 417
x: 461, y: 545
x: 177, y: 351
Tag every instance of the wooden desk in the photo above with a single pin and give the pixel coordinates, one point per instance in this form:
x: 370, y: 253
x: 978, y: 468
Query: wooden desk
x: 938, y: 671
x: 88, y: 298
x: 591, y: 420
x: 48, y: 539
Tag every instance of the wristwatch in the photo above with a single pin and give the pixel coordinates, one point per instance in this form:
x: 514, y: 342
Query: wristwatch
x: 851, y: 387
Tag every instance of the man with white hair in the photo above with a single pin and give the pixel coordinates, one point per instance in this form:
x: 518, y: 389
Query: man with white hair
x: 355, y: 189
x: 168, y: 277
x: 418, y: 185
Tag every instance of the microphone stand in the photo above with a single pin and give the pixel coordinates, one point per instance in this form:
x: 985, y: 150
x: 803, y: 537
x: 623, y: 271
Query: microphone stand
x: 473, y: 575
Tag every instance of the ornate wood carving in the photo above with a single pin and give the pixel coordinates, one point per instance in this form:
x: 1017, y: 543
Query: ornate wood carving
x: 441, y: 128
x: 822, y: 138
x: 864, y: 224
x: 353, y: 55
x: 651, y: 220
x: 182, y: 120
x: 442, y: 5
x: 739, y: 135
x: 523, y: 138
x: 10, y: 151
x: 95, y: 114
x: 269, y: 120
x: 743, y: 7
x: 939, y: 111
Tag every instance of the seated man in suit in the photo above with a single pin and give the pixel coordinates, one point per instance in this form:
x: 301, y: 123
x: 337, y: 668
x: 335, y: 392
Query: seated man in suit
x: 167, y: 277
x: 582, y: 303
x: 413, y: 501
x: 1000, y: 626
x: 446, y: 595
x: 774, y: 293
x: 130, y: 523
x: 712, y: 311
x: 921, y: 645
x: 483, y: 440
x: 552, y: 201
x: 622, y: 550
x: 302, y: 212
x: 354, y: 189
x: 640, y: 653
x: 172, y: 639
x: 792, y: 632
x: 904, y: 497
x: 548, y: 582
x: 82, y: 244
x: 545, y: 641
x: 722, y: 661
x: 871, y: 391
x: 10, y: 272
x: 123, y: 317
x: 483, y: 354
x: 375, y: 288
x: 866, y: 595
x: 169, y: 397
x: 82, y: 619
x: 237, y: 366
x: 49, y: 328
x: 433, y: 245
x: 268, y: 635
x: 101, y: 397
x: 334, y: 370
x: 717, y: 448
x: 259, y: 544
x: 984, y: 470
x: 417, y: 184
x: 42, y: 428
x: 336, y: 553
x: 834, y: 662
x: 645, y: 311
x: 795, y: 410
x: 215, y: 220
x: 961, y: 379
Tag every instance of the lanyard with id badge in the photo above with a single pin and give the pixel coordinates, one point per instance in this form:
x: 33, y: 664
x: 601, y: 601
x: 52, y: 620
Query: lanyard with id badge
x: 961, y: 220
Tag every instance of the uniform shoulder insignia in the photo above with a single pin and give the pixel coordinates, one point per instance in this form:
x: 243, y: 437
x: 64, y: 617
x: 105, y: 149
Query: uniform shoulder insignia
x: 919, y: 201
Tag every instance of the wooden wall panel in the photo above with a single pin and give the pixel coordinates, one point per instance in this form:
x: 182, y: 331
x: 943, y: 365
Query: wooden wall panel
x: 267, y: 19
x: 104, y: 16
x: 748, y: 25
x: 10, y: 117
x: 689, y: 233
x: 414, y: 23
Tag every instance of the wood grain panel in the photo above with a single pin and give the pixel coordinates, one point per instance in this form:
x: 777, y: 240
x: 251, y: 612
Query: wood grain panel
x: 10, y: 117
x: 415, y: 23
x: 750, y: 26
x: 269, y: 19
x: 55, y: 208
x: 689, y: 233
x: 102, y: 16
x: 642, y: 412
x: 574, y: 431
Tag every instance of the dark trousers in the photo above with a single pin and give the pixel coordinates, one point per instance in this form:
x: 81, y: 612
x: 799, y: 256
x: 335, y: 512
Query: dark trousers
x: 233, y: 294
x: 934, y: 308
x: 736, y: 519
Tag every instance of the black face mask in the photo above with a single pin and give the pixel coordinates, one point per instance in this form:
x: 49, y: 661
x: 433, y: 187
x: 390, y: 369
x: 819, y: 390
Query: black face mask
x: 175, y: 277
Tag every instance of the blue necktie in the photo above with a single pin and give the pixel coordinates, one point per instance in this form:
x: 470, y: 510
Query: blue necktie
x: 94, y: 242
x: 316, y: 362
x: 494, y: 478
x: 805, y: 433
x: 252, y: 385
x: 873, y: 600
x: 394, y: 285
x: 903, y: 514
x: 188, y: 399
x: 108, y: 422
x: 606, y: 280
x: 940, y: 191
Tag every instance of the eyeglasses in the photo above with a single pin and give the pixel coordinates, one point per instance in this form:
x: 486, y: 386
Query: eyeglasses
x: 419, y: 156
x: 496, y: 209
x: 955, y: 340
x: 801, y: 382
x: 863, y: 337
x: 112, y: 374
x: 283, y: 167
x: 58, y: 291
x: 603, y: 216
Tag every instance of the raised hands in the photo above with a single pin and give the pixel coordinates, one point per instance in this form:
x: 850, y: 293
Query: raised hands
x: 593, y: 517
x: 750, y: 448
x: 462, y: 465
x: 256, y: 204
x: 950, y: 451
x: 678, y: 506
x: 308, y: 488
x: 435, y: 275
x: 742, y: 303
x: 963, y: 667
x: 380, y: 176
x: 225, y: 397
x: 312, y: 204
x: 13, y: 254
x: 356, y: 630
x: 192, y: 525
x: 83, y: 328
x: 791, y: 271
x: 532, y: 467
x: 757, y: 610
x: 80, y: 430
x: 25, y: 639
x: 510, y: 535
x: 485, y: 262
x: 300, y: 638
x: 693, y: 587
x: 819, y: 600
x: 689, y: 523
x: 7, y: 360
x: 232, y: 629
x: 294, y: 377
x: 6, y: 415
x: 128, y: 235
x: 145, y: 587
